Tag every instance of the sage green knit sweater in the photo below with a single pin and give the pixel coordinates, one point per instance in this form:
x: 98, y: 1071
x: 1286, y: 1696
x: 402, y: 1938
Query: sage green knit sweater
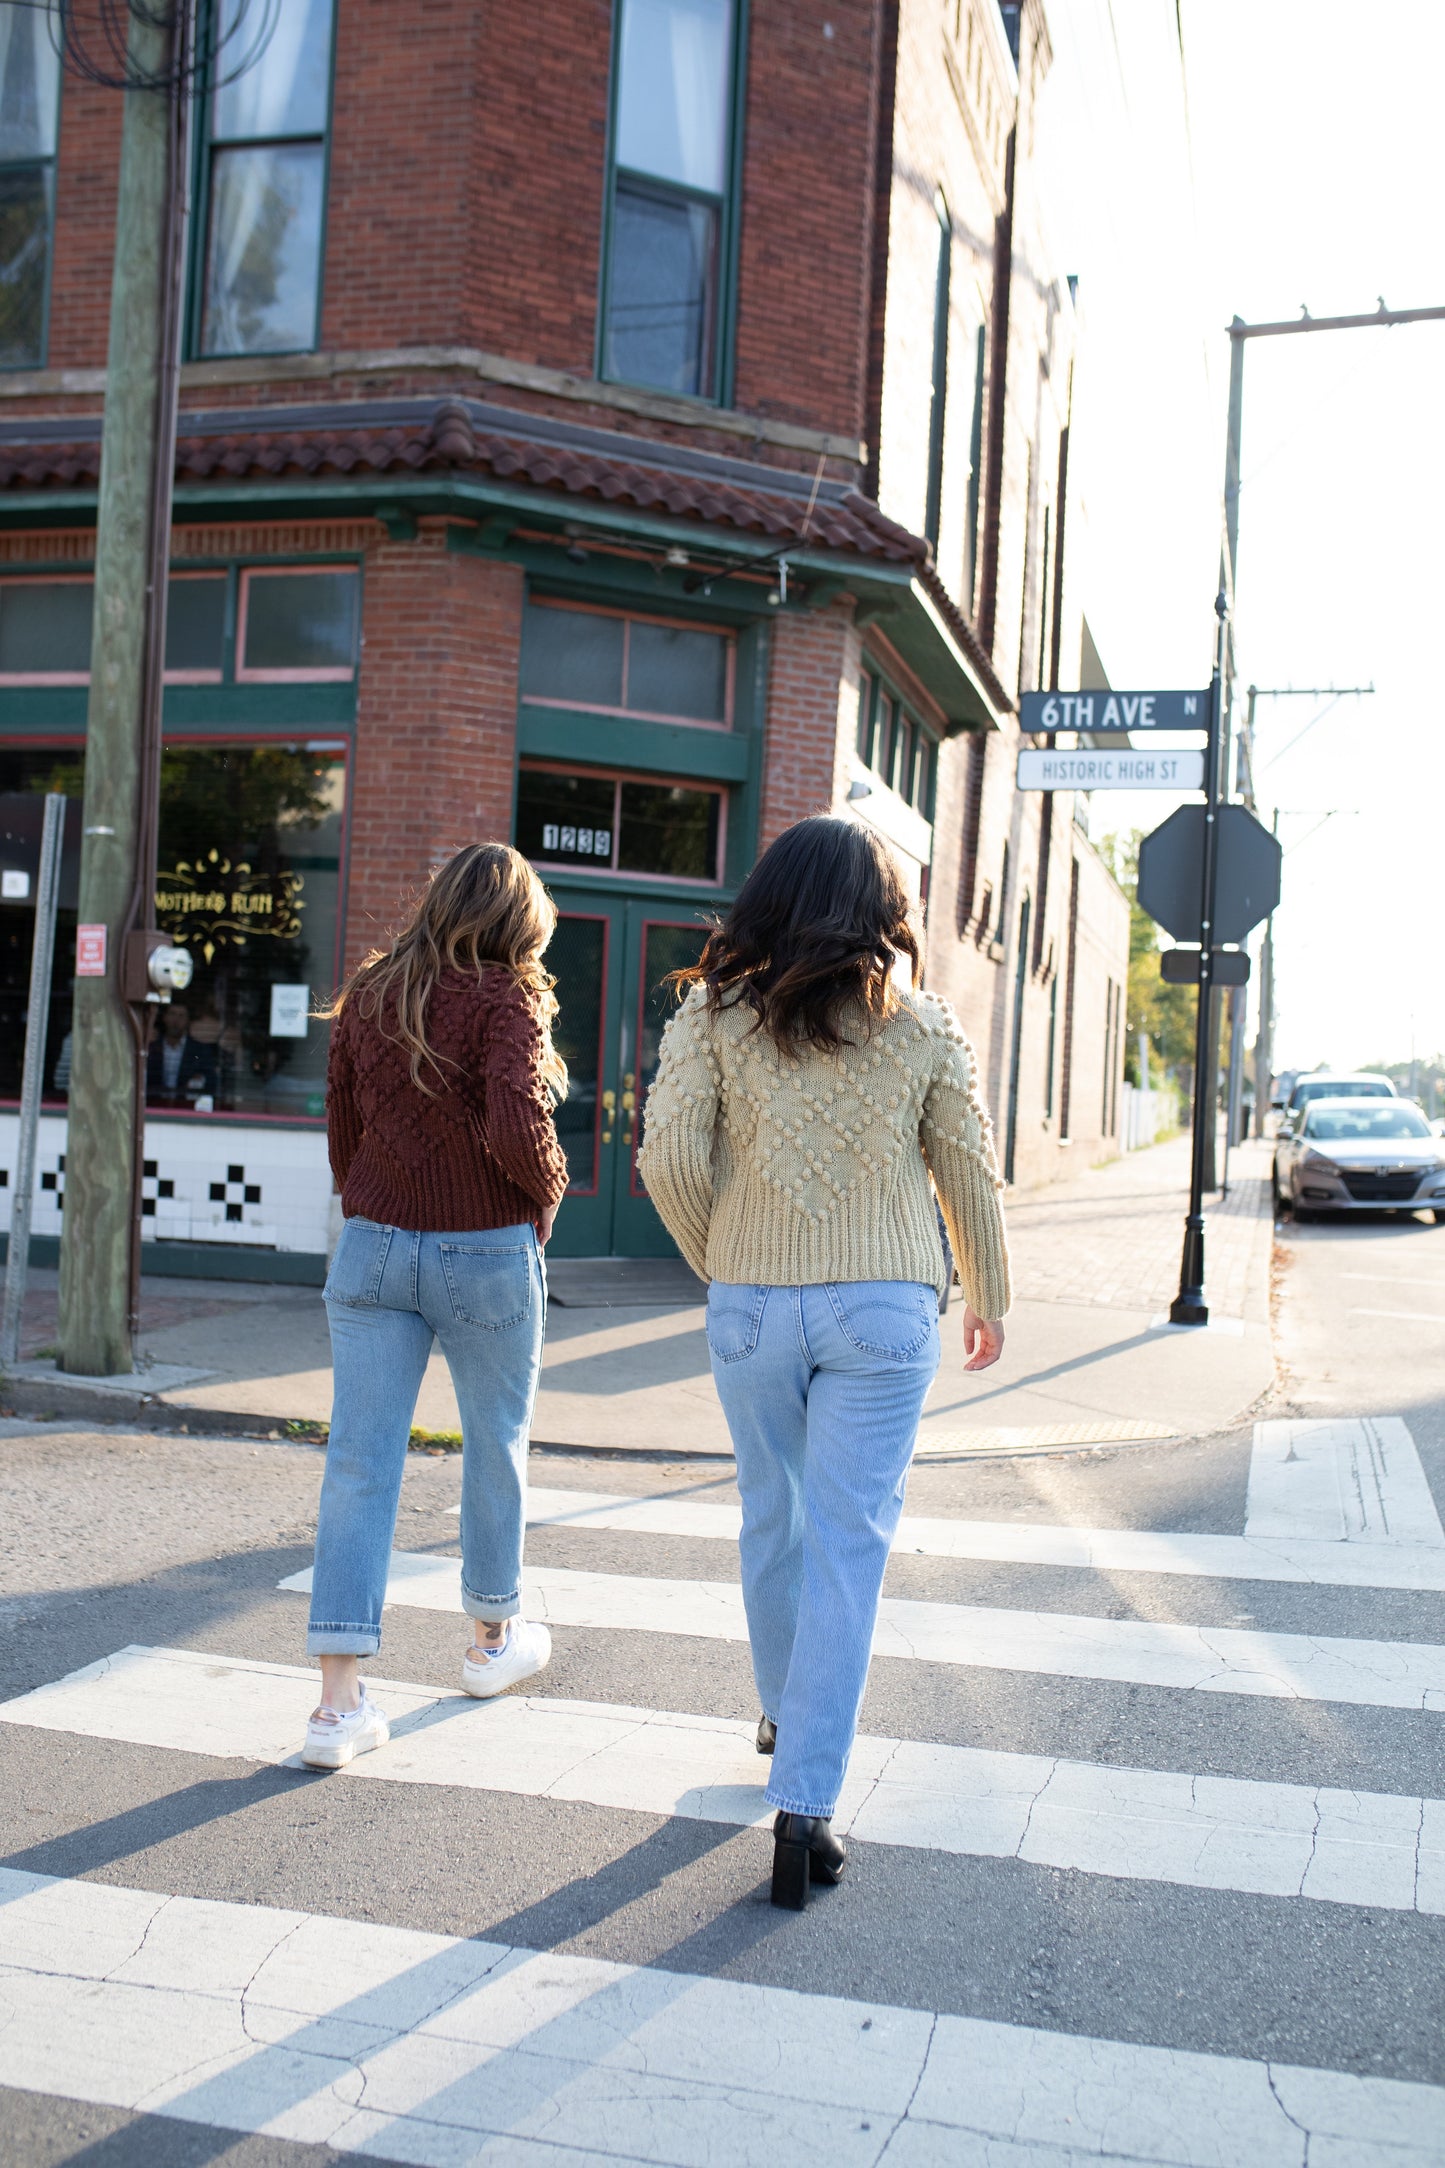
x: 783, y: 1170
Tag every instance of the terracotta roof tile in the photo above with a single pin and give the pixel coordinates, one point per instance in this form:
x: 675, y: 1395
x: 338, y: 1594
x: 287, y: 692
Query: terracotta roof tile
x: 851, y: 523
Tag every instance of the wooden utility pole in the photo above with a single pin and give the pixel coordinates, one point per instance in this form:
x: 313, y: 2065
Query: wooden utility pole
x: 99, y: 1255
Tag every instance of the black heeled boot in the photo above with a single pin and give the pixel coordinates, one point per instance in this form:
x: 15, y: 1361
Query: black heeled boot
x: 767, y: 1735
x: 804, y: 1851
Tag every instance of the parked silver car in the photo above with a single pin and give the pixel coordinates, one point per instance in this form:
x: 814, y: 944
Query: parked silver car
x: 1314, y: 1084
x: 1360, y: 1155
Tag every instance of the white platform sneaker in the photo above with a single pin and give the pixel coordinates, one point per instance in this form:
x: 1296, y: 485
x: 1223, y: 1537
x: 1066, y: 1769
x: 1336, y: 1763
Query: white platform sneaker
x: 527, y: 1649
x: 335, y: 1737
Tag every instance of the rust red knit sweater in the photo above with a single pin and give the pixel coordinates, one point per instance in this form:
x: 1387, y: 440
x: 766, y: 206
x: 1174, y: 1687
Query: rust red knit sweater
x: 480, y: 1150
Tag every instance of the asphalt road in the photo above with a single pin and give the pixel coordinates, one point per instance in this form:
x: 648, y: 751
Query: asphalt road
x: 1164, y: 1936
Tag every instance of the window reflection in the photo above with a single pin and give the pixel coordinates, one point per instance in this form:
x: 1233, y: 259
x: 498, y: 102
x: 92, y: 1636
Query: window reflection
x: 264, y: 255
x: 671, y: 177
x: 250, y: 859
x: 267, y: 178
x: 29, y: 110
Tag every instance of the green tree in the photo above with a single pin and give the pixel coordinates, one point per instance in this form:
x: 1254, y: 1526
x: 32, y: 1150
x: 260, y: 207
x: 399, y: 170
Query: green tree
x: 1164, y: 1014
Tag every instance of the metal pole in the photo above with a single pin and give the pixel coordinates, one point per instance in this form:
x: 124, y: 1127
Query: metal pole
x: 1189, y: 1306
x: 32, y: 1080
x: 117, y: 868
x: 1264, y: 1044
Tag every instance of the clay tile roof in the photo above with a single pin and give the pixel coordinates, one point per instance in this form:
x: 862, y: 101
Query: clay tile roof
x: 448, y: 439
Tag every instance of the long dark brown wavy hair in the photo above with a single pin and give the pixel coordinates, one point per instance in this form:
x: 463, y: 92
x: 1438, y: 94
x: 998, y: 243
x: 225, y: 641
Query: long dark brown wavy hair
x: 484, y: 906
x: 813, y: 938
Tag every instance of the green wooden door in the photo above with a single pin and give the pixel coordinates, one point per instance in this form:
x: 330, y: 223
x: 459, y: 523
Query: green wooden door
x: 611, y: 959
x: 660, y: 939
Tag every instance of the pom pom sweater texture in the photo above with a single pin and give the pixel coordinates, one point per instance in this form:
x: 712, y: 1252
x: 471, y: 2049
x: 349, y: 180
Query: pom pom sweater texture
x: 791, y: 1169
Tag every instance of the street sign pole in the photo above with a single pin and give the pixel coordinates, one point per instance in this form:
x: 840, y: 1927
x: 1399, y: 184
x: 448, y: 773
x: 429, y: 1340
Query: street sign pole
x: 32, y: 1076
x: 1189, y: 1306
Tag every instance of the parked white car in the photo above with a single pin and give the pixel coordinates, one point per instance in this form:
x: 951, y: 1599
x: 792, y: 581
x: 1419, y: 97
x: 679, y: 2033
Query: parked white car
x: 1361, y: 1154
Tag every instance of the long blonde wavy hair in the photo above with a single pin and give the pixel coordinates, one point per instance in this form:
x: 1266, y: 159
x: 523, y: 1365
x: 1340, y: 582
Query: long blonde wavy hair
x: 484, y: 906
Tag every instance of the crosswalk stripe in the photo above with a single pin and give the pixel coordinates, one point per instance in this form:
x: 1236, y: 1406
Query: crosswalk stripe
x: 1141, y: 1652
x: 1341, y: 1481
x: 421, y: 2047
x: 1202, y: 1832
x: 1299, y: 1561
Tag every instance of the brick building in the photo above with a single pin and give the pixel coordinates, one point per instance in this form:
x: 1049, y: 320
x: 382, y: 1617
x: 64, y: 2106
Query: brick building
x: 621, y: 425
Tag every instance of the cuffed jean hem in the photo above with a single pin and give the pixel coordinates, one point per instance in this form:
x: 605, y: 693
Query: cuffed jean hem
x: 338, y: 1640
x: 491, y: 1610
x: 796, y: 1806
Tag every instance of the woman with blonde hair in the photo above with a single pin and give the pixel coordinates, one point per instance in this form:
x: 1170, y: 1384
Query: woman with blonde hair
x: 806, y: 1093
x: 439, y: 1099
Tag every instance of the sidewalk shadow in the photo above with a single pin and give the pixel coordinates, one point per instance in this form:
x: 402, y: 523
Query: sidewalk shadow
x: 1045, y: 1377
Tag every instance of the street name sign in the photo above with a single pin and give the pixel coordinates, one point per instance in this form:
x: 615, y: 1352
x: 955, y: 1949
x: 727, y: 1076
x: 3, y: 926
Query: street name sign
x: 1114, y: 711
x: 1180, y: 967
x: 1246, y: 880
x: 1126, y: 769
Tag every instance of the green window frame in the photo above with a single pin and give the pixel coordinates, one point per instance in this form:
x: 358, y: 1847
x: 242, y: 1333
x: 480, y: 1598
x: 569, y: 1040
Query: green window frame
x: 938, y: 400
x: 975, y: 467
x: 668, y: 286
x: 29, y: 139
x: 895, y: 744
x: 257, y: 283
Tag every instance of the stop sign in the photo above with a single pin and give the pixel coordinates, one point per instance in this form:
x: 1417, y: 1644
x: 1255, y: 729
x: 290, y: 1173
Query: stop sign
x: 1246, y: 880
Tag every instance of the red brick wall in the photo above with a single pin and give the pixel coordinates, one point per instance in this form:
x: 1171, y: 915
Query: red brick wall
x: 815, y: 658
x: 805, y: 263
x: 466, y: 194
x: 87, y: 159
x: 436, y: 720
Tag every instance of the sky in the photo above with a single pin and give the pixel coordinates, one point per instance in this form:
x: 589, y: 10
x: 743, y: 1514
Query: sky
x: 1291, y: 160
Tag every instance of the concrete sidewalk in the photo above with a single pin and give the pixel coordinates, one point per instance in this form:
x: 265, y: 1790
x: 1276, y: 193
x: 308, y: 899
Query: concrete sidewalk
x: 1088, y: 1359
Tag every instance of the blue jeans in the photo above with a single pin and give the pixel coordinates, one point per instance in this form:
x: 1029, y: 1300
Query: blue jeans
x: 822, y: 1388
x: 389, y: 1294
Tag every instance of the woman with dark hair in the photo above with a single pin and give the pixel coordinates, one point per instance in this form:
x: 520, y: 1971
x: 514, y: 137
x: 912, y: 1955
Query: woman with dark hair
x: 806, y: 1092
x: 439, y: 1100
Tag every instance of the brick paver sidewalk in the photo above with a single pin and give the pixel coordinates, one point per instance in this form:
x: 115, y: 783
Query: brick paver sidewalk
x: 1114, y: 1236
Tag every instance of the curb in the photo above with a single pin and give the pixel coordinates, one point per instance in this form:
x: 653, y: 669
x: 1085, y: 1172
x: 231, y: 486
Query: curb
x: 140, y: 1410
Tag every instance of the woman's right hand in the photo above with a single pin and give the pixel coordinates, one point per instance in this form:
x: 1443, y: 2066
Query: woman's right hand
x: 982, y: 1339
x: 543, y: 1224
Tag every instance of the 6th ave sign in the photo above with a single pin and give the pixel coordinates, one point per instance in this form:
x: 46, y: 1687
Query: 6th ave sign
x: 1114, y: 711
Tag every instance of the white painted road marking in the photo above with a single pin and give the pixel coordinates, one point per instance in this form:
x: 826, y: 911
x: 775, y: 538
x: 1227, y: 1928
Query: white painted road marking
x: 420, y: 2047
x: 1143, y: 1652
x: 1341, y: 1481
x: 1402, y: 1317
x: 1203, y: 1832
x: 1395, y: 1279
x: 1297, y: 1561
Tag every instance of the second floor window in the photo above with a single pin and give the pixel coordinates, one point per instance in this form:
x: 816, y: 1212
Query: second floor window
x: 266, y: 180
x: 29, y: 110
x: 669, y: 196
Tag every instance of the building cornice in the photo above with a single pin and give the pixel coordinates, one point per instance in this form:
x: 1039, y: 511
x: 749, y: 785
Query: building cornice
x: 455, y: 361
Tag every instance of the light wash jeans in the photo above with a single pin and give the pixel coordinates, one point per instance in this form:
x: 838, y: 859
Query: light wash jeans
x: 822, y: 1388
x: 389, y: 1294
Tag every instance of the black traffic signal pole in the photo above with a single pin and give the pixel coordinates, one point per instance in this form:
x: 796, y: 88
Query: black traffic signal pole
x: 1189, y: 1306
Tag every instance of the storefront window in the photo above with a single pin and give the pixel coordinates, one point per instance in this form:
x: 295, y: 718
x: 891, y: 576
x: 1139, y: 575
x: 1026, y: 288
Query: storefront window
x: 249, y: 882
x: 617, y: 824
x: 625, y: 665
x: 298, y: 626
x: 25, y: 778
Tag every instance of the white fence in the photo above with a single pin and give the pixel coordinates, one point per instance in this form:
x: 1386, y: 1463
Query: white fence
x: 1146, y: 1116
